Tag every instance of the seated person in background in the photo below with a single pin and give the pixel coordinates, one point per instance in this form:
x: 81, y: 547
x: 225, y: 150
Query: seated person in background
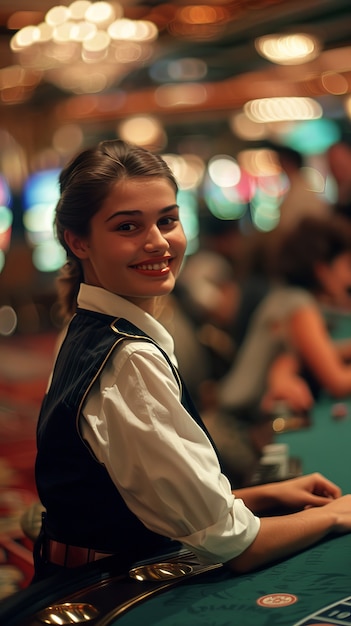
x: 209, y: 296
x: 288, y: 354
x: 313, y: 267
x: 218, y: 306
x: 124, y: 465
x: 210, y: 300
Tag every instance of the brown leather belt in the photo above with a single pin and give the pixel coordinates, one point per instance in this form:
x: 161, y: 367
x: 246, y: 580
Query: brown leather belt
x: 71, y: 556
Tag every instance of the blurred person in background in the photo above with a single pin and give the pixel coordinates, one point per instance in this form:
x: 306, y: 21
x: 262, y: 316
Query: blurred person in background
x: 226, y: 238
x: 214, y: 298
x: 300, y: 200
x: 218, y: 306
x: 210, y: 297
x: 288, y: 352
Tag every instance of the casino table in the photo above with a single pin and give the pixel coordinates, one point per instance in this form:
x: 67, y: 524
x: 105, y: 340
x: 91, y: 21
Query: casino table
x: 312, y: 588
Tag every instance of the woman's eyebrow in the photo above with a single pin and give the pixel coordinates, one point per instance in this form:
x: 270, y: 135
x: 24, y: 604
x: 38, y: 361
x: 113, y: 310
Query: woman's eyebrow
x: 168, y: 208
x: 138, y: 212
x: 118, y: 213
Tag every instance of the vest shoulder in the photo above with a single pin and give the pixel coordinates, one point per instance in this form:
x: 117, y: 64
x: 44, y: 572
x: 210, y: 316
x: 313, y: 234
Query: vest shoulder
x: 117, y: 325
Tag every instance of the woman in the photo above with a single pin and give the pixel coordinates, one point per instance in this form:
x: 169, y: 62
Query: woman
x: 124, y: 465
x: 288, y: 333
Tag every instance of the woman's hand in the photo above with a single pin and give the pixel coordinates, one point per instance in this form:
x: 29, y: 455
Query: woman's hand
x: 283, y: 535
x: 295, y: 494
x: 305, y: 491
x: 284, y: 383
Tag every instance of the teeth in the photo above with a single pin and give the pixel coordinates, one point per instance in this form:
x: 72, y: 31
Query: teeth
x: 153, y: 266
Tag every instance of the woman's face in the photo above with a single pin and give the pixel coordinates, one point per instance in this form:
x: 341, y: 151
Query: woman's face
x: 136, y: 243
x: 335, y: 279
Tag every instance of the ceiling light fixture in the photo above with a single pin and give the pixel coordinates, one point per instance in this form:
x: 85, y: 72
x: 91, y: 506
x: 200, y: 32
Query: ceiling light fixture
x: 86, y: 46
x: 282, y: 109
x: 290, y: 49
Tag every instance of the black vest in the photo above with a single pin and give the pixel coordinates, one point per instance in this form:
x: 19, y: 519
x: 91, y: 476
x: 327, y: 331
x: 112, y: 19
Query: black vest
x: 84, y: 507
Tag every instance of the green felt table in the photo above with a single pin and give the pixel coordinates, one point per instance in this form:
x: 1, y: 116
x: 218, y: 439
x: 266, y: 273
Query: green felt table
x: 324, y: 446
x: 295, y: 591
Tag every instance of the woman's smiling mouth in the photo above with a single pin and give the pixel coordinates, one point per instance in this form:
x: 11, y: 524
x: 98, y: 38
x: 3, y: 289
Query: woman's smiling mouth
x: 153, y: 267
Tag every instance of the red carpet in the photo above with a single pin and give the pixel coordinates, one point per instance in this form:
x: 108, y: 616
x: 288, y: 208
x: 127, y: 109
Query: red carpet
x: 25, y: 364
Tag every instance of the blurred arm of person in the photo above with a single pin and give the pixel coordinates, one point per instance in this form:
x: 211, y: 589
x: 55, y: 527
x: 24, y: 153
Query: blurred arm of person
x: 285, y: 384
x: 318, y: 351
x: 343, y: 347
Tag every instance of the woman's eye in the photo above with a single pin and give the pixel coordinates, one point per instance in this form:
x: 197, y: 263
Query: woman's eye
x: 168, y: 220
x: 126, y: 227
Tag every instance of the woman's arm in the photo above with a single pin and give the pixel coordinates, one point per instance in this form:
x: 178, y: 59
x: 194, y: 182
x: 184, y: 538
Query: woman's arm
x: 159, y: 458
x: 282, y: 536
x: 343, y: 347
x: 320, y: 508
x: 284, y: 383
x: 309, y: 337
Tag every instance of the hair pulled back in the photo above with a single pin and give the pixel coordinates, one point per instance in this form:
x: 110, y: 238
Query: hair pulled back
x: 85, y: 183
x: 314, y: 240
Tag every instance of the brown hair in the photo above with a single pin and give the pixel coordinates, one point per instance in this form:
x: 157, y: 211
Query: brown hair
x: 313, y: 240
x: 85, y: 183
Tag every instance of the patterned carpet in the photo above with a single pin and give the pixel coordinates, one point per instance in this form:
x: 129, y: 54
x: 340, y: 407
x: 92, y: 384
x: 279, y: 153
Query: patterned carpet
x: 25, y: 364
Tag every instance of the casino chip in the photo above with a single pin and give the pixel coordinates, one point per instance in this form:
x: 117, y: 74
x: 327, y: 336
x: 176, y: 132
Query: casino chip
x: 339, y: 411
x: 277, y: 600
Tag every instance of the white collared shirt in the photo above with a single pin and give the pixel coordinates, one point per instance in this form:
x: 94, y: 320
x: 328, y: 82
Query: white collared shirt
x: 159, y: 458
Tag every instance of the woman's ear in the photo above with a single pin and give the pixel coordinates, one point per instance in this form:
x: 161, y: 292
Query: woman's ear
x: 76, y: 244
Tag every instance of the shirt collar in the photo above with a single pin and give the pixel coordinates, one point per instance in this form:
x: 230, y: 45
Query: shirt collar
x: 101, y: 301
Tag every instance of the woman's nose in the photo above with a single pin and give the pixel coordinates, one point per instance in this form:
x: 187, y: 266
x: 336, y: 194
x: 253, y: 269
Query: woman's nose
x: 155, y: 240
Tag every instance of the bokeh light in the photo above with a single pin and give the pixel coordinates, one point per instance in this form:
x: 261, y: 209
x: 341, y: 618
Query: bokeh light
x: 8, y: 321
x: 40, y: 196
x: 289, y: 49
x: 6, y: 220
x: 313, y: 136
x: 188, y: 213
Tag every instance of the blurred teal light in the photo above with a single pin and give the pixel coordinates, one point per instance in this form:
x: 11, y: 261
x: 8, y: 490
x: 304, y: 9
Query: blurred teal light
x: 188, y: 213
x: 265, y: 211
x: 312, y: 136
x: 48, y: 256
x: 224, y: 203
x: 6, y: 219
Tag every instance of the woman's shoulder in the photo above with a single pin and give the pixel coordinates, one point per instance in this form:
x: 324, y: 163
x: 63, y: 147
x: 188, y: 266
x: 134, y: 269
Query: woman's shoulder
x: 289, y: 294
x: 282, y: 300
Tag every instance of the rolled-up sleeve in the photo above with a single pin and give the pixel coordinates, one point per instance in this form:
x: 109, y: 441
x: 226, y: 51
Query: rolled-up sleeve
x: 160, y: 459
